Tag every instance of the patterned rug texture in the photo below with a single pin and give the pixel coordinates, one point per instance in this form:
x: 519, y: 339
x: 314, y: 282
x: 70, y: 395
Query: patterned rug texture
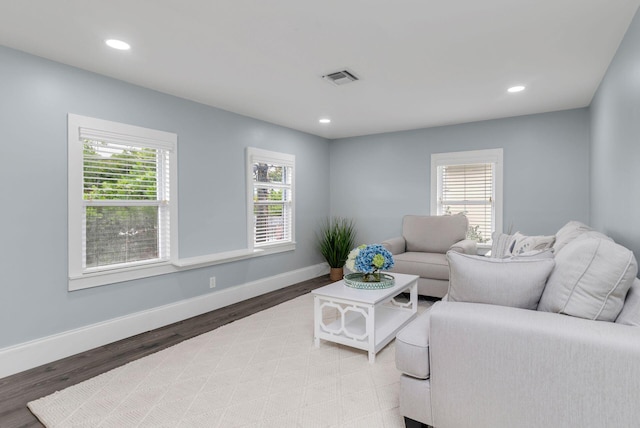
x: 260, y: 371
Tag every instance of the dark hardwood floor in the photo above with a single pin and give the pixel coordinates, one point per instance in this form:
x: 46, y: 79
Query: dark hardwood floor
x: 17, y: 390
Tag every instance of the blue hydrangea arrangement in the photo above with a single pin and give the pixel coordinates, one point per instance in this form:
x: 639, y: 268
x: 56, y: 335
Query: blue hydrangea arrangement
x: 369, y: 260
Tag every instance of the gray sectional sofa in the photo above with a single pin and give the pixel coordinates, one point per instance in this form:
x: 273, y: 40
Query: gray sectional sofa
x: 422, y: 248
x: 486, y: 358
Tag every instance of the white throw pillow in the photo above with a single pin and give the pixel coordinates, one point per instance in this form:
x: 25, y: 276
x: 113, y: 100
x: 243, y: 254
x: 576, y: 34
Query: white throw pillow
x: 518, y: 283
x: 501, y: 245
x: 590, y: 280
x: 527, y: 244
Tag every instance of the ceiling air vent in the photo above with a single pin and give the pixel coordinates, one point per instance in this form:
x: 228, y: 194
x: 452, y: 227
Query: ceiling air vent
x: 340, y: 77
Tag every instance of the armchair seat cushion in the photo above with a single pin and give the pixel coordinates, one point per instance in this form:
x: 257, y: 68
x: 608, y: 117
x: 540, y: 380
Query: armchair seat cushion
x: 412, y: 347
x: 425, y: 265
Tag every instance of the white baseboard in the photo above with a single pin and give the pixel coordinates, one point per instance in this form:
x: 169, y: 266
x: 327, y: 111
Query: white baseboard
x: 28, y: 355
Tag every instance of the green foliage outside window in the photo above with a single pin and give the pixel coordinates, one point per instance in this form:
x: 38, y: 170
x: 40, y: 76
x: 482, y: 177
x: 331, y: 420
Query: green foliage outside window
x: 126, y: 175
x: 120, y: 234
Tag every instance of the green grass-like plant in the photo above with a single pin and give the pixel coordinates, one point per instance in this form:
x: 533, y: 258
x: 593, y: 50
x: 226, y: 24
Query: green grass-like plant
x: 336, y: 240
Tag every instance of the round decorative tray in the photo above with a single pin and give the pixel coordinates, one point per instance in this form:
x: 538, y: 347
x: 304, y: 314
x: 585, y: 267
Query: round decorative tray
x: 354, y: 280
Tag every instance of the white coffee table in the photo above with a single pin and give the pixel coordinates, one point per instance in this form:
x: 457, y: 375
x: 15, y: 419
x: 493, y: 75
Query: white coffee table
x: 367, y: 319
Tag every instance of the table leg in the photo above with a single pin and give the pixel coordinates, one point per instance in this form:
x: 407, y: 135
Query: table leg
x: 414, y: 296
x: 317, y: 315
x: 371, y: 332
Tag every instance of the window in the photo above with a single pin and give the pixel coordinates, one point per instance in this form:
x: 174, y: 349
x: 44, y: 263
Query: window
x: 122, y: 201
x: 470, y: 183
x: 270, y: 178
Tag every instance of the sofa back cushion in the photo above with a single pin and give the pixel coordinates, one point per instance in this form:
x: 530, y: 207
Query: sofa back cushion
x: 433, y: 234
x: 591, y: 279
x: 568, y: 233
x: 517, y: 283
x: 630, y: 314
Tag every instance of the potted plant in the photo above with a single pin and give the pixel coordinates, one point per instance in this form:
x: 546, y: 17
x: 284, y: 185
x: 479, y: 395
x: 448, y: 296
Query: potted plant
x: 336, y: 239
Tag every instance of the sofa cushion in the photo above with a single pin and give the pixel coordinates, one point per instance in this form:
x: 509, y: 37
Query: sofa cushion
x: 412, y: 347
x: 591, y: 279
x: 514, y: 282
x: 568, y: 233
x: 630, y: 314
x: 433, y: 234
x: 425, y: 265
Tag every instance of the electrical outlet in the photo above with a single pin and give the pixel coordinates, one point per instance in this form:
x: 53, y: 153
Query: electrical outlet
x: 212, y: 282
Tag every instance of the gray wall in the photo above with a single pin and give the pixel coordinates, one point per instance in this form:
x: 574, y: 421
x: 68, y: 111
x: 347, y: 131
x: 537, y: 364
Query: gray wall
x: 378, y: 179
x: 35, y: 97
x: 615, y: 145
x: 374, y: 179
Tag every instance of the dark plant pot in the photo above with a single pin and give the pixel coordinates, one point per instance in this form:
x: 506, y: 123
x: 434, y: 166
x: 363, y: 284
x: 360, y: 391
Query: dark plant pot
x: 335, y: 274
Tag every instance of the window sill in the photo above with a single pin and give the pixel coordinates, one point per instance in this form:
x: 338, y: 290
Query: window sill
x: 231, y: 256
x: 96, y: 279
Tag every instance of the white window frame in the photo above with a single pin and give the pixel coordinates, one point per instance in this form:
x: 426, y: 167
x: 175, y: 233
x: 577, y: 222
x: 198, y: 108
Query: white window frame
x: 260, y: 155
x: 493, y: 156
x: 80, y: 277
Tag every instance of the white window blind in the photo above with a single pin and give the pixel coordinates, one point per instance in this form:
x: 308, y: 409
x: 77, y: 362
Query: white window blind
x: 126, y: 202
x: 468, y: 189
x: 271, y: 197
x: 120, y: 197
x: 469, y: 183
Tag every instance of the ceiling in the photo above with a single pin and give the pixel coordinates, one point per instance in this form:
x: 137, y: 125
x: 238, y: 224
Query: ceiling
x: 421, y: 63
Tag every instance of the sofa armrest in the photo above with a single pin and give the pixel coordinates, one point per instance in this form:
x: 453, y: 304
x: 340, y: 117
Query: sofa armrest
x: 516, y: 367
x: 395, y: 245
x: 466, y: 246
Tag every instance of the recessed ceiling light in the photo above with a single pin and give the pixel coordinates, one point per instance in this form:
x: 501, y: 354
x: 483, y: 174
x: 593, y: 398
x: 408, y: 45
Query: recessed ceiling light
x: 325, y: 120
x: 118, y: 44
x: 518, y: 88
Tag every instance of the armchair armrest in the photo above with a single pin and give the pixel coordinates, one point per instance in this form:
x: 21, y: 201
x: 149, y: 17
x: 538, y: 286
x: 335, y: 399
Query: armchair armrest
x: 395, y: 245
x: 466, y: 246
x: 517, y: 367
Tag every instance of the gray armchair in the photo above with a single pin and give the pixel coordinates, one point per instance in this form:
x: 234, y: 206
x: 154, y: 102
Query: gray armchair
x: 422, y: 249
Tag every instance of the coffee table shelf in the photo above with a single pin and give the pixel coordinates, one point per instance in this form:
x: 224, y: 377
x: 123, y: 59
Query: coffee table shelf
x: 366, y: 319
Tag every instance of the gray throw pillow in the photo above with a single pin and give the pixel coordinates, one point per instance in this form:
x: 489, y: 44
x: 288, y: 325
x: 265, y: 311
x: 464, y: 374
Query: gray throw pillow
x: 591, y: 279
x: 517, y: 283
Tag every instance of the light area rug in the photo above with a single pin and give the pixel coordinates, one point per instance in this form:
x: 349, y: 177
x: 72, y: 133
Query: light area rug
x: 259, y: 371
